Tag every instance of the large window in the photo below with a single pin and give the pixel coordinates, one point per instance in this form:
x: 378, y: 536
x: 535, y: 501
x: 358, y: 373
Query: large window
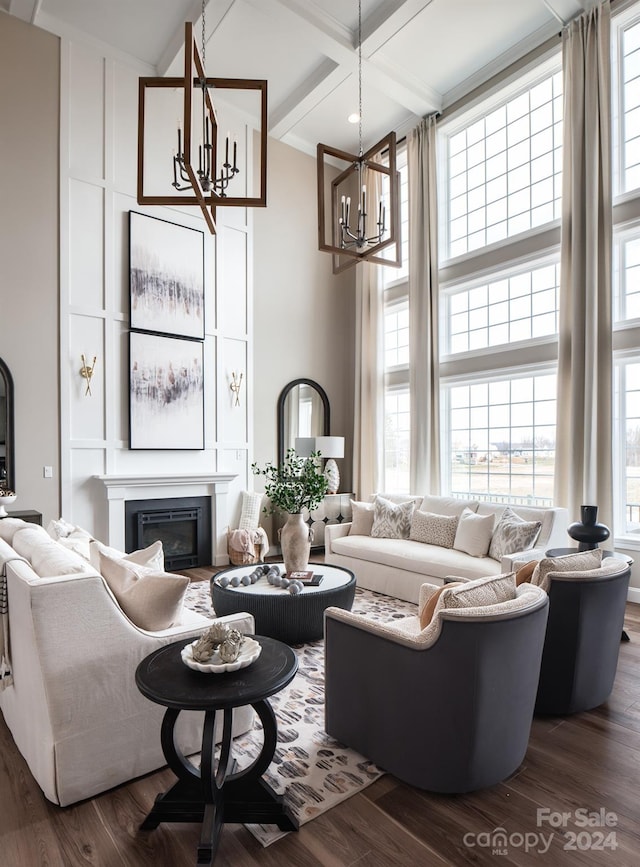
x: 626, y: 274
x: 396, y: 353
x: 504, y: 169
x: 502, y: 438
x: 500, y: 187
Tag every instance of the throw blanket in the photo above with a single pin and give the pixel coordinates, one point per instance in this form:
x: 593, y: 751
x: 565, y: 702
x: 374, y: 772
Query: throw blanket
x: 6, y: 677
x: 243, y: 541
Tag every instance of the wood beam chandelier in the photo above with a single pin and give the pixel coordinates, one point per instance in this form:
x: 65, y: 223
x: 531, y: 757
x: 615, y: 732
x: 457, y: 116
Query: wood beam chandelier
x: 348, y: 231
x: 201, y: 172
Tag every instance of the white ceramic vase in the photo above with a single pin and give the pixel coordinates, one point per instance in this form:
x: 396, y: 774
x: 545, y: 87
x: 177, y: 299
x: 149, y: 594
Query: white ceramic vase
x: 295, y: 542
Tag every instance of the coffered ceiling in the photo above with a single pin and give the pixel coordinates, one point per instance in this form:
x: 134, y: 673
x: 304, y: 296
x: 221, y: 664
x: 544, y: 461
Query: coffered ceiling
x: 418, y: 55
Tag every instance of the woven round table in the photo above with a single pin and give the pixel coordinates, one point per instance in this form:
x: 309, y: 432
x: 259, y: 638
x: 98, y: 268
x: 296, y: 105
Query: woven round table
x: 279, y: 614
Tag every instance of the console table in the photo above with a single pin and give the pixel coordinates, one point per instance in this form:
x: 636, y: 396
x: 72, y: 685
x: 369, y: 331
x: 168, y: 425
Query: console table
x: 29, y: 515
x: 212, y: 794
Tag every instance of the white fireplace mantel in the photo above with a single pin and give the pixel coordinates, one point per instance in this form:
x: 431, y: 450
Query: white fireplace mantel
x: 120, y: 488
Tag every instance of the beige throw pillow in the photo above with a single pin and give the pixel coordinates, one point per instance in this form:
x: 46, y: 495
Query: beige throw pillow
x: 362, y: 518
x: 392, y: 520
x: 490, y: 590
x: 473, y: 535
x: 433, y: 529
x: 447, y: 505
x: 582, y: 561
x: 150, y: 599
x: 151, y: 557
x: 513, y: 534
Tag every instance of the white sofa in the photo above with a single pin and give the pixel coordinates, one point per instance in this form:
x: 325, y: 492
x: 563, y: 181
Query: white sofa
x: 398, y: 567
x: 73, y: 708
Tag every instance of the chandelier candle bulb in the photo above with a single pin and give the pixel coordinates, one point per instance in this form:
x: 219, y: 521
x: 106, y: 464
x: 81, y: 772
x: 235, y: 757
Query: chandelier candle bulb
x: 235, y: 154
x: 227, y: 164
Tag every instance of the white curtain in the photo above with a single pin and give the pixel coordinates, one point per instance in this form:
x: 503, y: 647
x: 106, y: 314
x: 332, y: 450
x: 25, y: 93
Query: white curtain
x: 424, y: 386
x: 583, y: 466
x: 368, y: 433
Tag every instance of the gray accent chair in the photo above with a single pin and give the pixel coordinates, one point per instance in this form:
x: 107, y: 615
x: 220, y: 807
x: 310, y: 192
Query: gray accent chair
x: 586, y: 619
x: 450, y: 714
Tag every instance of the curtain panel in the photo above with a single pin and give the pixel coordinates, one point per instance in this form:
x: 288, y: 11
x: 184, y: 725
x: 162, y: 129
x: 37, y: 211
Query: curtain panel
x: 583, y: 465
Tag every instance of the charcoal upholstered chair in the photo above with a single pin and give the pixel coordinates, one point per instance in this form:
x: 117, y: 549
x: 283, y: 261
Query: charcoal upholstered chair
x: 586, y: 618
x: 447, y: 708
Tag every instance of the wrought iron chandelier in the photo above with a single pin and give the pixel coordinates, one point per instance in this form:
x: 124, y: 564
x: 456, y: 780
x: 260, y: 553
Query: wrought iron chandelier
x: 207, y: 180
x: 354, y: 235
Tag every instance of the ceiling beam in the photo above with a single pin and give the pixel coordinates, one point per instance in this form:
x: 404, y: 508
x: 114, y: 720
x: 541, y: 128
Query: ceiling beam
x: 27, y: 10
x: 305, y: 97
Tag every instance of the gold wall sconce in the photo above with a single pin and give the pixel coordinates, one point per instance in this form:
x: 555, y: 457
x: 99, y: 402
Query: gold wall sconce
x: 234, y: 385
x: 86, y: 372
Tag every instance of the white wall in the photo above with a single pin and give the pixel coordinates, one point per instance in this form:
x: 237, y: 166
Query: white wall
x: 303, y: 314
x: 98, y: 168
x: 29, y: 105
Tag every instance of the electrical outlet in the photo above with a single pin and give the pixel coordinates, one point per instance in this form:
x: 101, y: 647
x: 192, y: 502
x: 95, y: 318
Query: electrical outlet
x: 47, y: 472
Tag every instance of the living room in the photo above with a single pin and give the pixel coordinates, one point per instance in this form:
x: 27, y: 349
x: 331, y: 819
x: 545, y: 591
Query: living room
x: 274, y: 312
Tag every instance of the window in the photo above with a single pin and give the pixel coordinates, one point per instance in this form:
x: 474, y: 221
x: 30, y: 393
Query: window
x: 502, y: 438
x: 629, y: 65
x: 499, y: 301
x: 504, y: 169
x: 396, y: 353
x: 626, y: 277
x: 506, y: 309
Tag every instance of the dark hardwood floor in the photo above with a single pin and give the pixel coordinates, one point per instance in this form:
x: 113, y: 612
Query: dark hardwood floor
x: 587, y: 762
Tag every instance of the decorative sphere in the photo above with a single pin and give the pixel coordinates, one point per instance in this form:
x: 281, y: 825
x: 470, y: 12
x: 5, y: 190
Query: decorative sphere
x: 284, y: 582
x: 246, y: 580
x: 265, y: 568
x: 295, y: 587
x: 253, y: 577
x: 235, y: 581
x: 276, y: 581
x: 224, y: 581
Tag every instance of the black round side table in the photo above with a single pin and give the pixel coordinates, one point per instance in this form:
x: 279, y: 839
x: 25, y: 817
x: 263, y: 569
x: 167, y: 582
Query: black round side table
x: 212, y: 794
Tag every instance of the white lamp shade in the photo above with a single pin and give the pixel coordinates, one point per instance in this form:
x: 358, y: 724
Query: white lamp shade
x: 330, y: 447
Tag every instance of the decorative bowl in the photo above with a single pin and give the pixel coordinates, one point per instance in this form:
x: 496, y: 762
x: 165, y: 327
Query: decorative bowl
x: 249, y: 652
x: 6, y: 500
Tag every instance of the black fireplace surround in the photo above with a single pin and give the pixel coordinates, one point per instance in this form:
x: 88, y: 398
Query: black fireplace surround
x: 182, y: 524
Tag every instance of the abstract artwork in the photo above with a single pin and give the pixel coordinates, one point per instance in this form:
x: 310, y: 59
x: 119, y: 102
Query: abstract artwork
x: 166, y: 392
x: 166, y: 277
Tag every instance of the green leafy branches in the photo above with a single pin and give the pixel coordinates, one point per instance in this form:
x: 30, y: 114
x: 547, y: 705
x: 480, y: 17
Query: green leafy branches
x: 296, y: 484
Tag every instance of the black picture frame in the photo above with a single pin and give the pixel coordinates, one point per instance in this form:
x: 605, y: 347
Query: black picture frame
x: 166, y: 392
x: 166, y: 277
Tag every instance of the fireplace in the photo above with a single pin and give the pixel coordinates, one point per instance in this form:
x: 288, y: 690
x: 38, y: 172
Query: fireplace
x: 182, y: 524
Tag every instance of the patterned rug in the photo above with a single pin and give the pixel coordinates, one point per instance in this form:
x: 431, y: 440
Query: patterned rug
x: 313, y: 771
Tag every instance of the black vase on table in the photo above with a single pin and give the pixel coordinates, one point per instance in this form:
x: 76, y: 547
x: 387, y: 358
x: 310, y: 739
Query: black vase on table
x: 587, y: 532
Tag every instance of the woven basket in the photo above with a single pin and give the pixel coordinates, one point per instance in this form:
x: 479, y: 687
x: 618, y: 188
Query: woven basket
x: 243, y: 558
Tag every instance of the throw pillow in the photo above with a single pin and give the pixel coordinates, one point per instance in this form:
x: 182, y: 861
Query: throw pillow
x: 490, y: 590
x: 47, y: 558
x: 150, y: 599
x: 582, y: 561
x: 512, y: 534
x: 151, y: 557
x: 10, y: 526
x: 362, y: 519
x: 426, y: 614
x: 524, y: 573
x: 473, y: 535
x: 447, y: 505
x: 391, y: 520
x: 433, y: 529
x: 250, y: 515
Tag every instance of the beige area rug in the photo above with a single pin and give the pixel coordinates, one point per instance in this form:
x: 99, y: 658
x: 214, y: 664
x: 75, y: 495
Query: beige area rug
x: 313, y: 771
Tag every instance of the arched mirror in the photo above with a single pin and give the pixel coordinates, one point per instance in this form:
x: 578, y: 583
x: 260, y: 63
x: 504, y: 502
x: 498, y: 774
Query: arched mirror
x: 303, y: 411
x: 7, y: 476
